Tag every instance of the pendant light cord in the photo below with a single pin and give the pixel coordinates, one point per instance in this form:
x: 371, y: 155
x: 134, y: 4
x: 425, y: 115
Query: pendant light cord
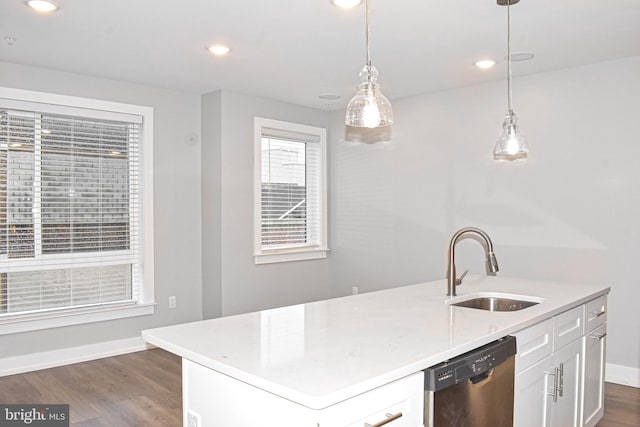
x: 509, y: 95
x: 367, y: 36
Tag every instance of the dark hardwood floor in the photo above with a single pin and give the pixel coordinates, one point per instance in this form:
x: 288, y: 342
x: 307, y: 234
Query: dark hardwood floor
x: 137, y: 389
x: 621, y: 406
x: 144, y: 389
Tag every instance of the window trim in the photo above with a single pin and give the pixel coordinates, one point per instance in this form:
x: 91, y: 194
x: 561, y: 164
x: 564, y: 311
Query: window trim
x: 306, y: 252
x: 87, y: 314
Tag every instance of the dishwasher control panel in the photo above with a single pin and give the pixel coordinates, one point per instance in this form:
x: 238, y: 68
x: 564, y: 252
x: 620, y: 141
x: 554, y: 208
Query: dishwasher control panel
x: 469, y: 365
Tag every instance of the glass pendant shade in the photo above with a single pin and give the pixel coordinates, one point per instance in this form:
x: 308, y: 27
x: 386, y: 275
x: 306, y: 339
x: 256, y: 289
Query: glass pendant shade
x: 511, y: 145
x: 369, y: 108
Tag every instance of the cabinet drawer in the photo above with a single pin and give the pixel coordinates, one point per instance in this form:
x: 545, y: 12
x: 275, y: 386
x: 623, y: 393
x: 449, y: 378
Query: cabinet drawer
x: 595, y: 313
x: 401, y: 400
x: 396, y: 416
x: 533, y: 344
x: 567, y: 327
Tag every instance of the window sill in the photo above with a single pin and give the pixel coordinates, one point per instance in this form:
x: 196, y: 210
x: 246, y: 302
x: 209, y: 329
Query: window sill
x: 70, y: 317
x: 290, y: 255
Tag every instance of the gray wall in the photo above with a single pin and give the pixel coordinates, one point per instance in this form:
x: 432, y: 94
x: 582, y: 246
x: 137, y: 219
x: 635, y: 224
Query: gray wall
x: 176, y: 205
x: 569, y: 213
x: 211, y: 195
x: 240, y: 285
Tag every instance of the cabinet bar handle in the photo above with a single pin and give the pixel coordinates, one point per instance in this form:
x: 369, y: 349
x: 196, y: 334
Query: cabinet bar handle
x: 390, y: 417
x: 561, y: 390
x: 554, y: 374
x: 598, y: 337
x: 595, y: 315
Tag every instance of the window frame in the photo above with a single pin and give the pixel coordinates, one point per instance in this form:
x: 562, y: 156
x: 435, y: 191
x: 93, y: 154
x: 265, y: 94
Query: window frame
x: 145, y: 305
x: 285, y: 254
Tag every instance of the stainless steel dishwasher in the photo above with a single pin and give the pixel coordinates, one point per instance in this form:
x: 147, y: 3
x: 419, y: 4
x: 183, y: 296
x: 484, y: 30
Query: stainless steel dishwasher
x: 474, y: 389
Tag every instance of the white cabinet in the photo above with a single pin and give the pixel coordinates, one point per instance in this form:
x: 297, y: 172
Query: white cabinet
x: 568, y: 327
x: 565, y: 408
x: 212, y: 399
x: 531, y: 392
x: 560, y: 369
x: 534, y: 344
x: 594, y: 361
x: 549, y: 393
x: 593, y: 376
x: 533, y: 365
x: 595, y: 313
x: 398, y: 404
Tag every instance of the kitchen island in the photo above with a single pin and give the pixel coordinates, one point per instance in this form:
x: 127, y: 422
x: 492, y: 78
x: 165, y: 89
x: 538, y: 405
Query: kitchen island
x: 309, y: 359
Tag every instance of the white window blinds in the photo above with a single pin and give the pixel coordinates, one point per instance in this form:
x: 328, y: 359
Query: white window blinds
x: 290, y: 189
x: 70, y: 213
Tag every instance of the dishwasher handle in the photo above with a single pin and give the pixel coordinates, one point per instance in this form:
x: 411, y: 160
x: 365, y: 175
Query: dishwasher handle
x: 482, y: 377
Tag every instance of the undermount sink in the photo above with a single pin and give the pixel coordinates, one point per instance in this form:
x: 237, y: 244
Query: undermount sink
x: 495, y: 302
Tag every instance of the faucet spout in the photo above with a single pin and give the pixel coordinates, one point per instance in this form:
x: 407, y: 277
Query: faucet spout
x: 492, y: 261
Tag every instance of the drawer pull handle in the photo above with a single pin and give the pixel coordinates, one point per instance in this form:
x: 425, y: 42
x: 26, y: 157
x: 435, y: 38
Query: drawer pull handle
x: 598, y: 337
x: 595, y: 315
x: 390, y: 418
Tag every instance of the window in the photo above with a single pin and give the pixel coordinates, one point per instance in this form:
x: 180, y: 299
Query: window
x: 74, y: 210
x: 290, y: 192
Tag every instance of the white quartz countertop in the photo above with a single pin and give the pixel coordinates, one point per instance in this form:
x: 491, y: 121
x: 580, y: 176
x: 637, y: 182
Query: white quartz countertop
x: 322, y: 353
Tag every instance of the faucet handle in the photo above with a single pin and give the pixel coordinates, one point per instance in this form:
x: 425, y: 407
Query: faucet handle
x: 459, y: 279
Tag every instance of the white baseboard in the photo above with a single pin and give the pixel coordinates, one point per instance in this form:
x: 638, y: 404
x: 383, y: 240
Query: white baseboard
x: 66, y: 356
x: 624, y: 375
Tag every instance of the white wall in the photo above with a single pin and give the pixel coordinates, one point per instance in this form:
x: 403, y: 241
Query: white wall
x: 571, y: 212
x: 176, y: 206
x: 227, y: 194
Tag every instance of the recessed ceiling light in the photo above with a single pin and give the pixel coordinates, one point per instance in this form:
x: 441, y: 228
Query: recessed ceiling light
x: 485, y: 63
x: 42, y: 6
x: 218, y: 49
x: 346, y: 4
x: 521, y: 56
x: 45, y: 131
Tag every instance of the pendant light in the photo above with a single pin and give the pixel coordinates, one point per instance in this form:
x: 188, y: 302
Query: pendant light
x: 511, y: 145
x: 369, y: 108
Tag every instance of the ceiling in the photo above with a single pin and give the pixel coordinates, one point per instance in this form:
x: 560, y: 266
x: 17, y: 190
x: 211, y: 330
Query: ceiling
x: 295, y: 50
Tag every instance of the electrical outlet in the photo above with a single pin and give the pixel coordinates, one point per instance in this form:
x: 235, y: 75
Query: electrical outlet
x: 354, y: 290
x: 193, y: 419
x: 172, y: 302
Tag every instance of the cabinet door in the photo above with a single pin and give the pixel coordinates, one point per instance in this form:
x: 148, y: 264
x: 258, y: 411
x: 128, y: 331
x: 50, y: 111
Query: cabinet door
x: 593, y: 389
x: 567, y: 410
x: 531, y: 390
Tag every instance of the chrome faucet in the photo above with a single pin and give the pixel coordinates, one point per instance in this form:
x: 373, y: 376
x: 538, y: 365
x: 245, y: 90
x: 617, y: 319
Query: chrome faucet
x: 492, y: 262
